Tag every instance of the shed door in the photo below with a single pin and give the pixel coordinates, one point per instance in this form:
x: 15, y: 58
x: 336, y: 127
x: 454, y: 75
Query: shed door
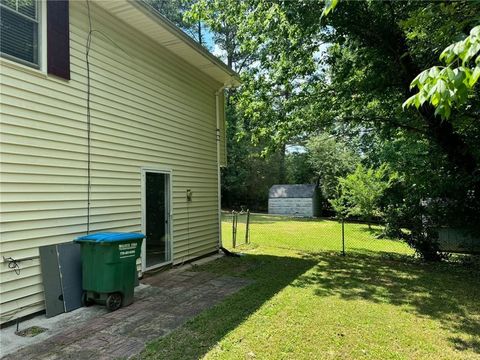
x: 156, y: 219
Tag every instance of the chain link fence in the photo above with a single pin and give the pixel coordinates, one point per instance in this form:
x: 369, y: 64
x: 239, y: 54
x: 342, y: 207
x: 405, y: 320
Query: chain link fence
x: 307, y: 234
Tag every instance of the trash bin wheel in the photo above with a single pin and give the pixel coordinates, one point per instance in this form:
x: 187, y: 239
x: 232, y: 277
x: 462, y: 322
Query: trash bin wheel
x: 114, y: 301
x: 85, y: 300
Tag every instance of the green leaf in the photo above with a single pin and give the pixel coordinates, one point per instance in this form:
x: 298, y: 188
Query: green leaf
x: 435, y: 99
x: 431, y: 89
x: 329, y: 6
x: 448, y: 111
x: 468, y: 74
x: 475, y: 31
x: 459, y: 48
x: 450, y: 73
x: 474, y: 77
x: 447, y: 55
x: 459, y: 77
x: 423, y: 76
x: 417, y: 101
x: 416, y: 81
x: 440, y: 110
x: 441, y: 86
x: 471, y: 52
x: 433, y: 72
x: 409, y: 102
x: 422, y: 97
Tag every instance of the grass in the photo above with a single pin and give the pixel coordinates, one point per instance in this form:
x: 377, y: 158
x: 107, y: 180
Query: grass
x: 310, y: 234
x: 31, y: 331
x: 321, y: 305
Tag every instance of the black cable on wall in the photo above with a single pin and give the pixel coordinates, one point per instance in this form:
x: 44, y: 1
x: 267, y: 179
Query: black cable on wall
x: 88, y: 46
x: 89, y: 123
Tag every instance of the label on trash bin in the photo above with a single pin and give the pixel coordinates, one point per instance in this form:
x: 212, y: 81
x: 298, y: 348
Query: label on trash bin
x: 127, y: 250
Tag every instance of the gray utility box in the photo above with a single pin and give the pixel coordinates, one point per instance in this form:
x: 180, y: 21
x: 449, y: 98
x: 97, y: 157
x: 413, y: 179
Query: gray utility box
x: 62, y: 277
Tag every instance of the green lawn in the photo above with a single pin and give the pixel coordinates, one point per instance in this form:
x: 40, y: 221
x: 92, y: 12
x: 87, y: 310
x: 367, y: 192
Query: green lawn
x: 310, y: 234
x: 321, y: 305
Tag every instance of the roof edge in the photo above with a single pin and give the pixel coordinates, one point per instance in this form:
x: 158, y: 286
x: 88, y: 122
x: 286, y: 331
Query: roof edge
x: 171, y: 27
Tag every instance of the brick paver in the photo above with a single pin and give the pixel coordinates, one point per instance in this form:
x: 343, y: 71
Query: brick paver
x: 172, y: 299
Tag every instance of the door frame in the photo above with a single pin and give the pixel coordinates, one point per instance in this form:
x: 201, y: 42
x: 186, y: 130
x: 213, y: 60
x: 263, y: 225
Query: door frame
x: 169, y: 215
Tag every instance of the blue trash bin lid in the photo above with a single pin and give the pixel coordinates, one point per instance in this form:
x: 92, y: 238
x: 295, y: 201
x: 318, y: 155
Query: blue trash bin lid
x: 110, y: 237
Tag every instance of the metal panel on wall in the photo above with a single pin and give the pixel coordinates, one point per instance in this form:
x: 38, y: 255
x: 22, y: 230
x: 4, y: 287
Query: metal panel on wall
x: 70, y: 265
x: 62, y: 277
x: 51, y: 281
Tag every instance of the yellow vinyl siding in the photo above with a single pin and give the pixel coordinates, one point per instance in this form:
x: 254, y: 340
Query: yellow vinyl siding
x: 149, y: 109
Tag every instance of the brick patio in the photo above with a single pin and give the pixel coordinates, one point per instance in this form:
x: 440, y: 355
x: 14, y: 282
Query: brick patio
x: 173, y: 298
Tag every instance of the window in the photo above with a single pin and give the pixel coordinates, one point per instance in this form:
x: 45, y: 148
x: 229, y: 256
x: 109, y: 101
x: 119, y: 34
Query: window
x: 19, y: 31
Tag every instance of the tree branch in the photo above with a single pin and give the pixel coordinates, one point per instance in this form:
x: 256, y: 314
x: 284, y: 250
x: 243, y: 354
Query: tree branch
x: 386, y: 120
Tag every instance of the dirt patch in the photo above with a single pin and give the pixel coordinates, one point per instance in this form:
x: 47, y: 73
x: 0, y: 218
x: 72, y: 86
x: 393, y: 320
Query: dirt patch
x: 31, y: 331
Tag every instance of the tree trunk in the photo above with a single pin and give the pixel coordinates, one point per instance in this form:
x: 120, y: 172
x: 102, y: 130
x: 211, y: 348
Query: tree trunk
x: 282, y: 169
x: 456, y: 149
x: 199, y: 29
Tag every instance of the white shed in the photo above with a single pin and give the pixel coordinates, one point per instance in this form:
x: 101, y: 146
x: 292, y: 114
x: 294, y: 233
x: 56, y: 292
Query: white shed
x: 298, y: 199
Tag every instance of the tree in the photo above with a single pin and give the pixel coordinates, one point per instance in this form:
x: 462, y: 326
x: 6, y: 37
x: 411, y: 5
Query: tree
x: 299, y: 169
x: 361, y: 191
x: 174, y: 10
x: 273, y: 88
x: 350, y: 78
x: 331, y: 159
x: 250, y: 172
x: 219, y: 17
x: 369, y: 63
x: 448, y: 86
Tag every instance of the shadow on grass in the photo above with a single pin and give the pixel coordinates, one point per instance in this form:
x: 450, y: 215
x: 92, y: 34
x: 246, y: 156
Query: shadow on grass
x: 198, y: 336
x: 448, y: 293
x: 375, y: 230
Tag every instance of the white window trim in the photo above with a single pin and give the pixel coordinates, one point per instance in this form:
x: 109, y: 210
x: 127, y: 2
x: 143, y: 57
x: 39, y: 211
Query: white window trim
x: 42, y: 38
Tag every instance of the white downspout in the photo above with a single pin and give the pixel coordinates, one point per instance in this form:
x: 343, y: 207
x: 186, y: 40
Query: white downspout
x: 219, y: 184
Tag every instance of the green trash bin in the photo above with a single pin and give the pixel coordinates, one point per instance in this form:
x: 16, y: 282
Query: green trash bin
x: 109, y: 268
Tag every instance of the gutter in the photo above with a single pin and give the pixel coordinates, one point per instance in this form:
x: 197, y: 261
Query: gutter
x: 218, y: 137
x: 219, y: 176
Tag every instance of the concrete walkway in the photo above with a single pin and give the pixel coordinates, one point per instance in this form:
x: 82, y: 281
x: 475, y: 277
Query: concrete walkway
x: 172, y: 298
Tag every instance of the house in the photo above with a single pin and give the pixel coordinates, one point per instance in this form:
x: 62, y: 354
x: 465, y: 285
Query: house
x: 298, y: 200
x: 112, y: 120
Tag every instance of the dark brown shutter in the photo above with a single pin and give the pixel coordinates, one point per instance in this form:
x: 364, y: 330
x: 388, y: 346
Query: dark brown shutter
x: 58, y: 38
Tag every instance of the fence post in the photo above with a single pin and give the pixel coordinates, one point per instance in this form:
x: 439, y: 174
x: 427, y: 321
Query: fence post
x: 247, y: 228
x: 234, y: 228
x: 343, y: 236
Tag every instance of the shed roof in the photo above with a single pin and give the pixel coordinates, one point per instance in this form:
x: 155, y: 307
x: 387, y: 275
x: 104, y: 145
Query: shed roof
x: 292, y: 191
x: 157, y: 27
